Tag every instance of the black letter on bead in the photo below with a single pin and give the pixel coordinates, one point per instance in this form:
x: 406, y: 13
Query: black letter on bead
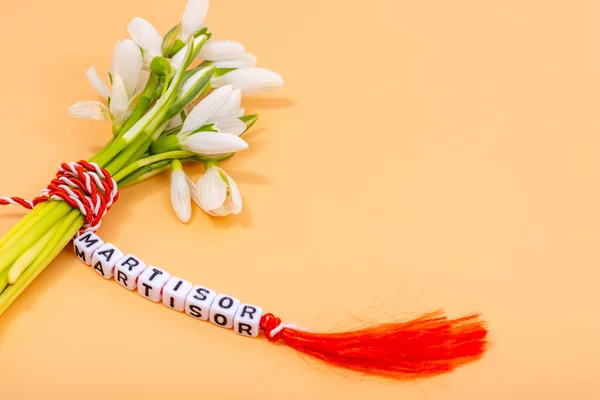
x: 229, y: 300
x: 85, y: 239
x: 172, y: 302
x: 98, y: 267
x: 130, y: 262
x: 201, y: 292
x: 80, y: 254
x: 244, y: 328
x: 248, y: 310
x: 155, y: 273
x: 107, y: 254
x: 148, y: 287
x: 121, y: 277
x: 195, y: 311
x: 220, y: 319
x: 176, y: 288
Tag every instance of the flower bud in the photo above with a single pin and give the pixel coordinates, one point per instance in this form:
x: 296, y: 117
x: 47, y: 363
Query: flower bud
x: 160, y: 66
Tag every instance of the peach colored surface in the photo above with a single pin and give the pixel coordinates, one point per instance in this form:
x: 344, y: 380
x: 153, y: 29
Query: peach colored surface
x: 422, y: 155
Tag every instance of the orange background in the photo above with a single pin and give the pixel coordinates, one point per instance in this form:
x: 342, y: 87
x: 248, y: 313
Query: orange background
x: 423, y: 154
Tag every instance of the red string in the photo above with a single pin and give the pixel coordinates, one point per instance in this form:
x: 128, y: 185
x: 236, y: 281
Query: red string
x: 429, y: 345
x: 82, y: 185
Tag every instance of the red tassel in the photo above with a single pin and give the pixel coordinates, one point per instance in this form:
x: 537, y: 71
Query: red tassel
x: 426, y: 346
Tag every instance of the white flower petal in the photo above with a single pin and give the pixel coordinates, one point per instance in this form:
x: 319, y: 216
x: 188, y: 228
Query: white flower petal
x: 97, y: 83
x: 143, y: 81
x: 193, y: 18
x: 206, y: 109
x: 239, y: 113
x: 93, y: 110
x: 250, y: 80
x: 231, y: 125
x: 248, y: 60
x: 216, y: 50
x: 146, y: 36
x: 127, y: 61
x: 235, y: 196
x: 179, y: 58
x: 230, y: 107
x: 211, y: 190
x: 213, y: 143
x: 233, y: 201
x: 118, y: 99
x: 181, y: 195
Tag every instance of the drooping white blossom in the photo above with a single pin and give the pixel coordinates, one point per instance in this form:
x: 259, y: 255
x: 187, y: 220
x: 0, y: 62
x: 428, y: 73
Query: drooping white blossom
x: 181, y: 195
x: 217, y: 194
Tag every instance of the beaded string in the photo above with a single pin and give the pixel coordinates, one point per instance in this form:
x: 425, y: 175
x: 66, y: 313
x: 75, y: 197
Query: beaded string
x: 428, y: 345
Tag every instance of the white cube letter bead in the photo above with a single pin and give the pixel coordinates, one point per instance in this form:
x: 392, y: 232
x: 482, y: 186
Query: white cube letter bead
x: 198, y: 302
x: 105, y: 258
x: 247, y: 320
x: 175, y: 293
x: 223, y: 309
x: 85, y: 245
x: 151, y: 283
x: 127, y: 271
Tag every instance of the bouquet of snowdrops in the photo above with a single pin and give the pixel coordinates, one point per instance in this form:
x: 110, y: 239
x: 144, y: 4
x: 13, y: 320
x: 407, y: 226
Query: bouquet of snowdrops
x: 166, y: 110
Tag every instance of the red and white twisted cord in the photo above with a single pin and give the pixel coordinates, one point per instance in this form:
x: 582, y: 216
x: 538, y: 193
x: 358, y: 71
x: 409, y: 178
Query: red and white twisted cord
x: 84, y: 186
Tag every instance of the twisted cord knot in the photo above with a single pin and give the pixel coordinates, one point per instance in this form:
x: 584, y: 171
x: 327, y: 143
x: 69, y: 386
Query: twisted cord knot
x: 82, y: 185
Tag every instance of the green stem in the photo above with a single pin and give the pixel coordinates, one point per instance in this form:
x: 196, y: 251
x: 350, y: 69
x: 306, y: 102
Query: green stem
x: 146, y: 173
x: 32, y: 215
x: 143, y: 103
x: 32, y: 235
x: 67, y: 230
x: 131, y: 168
x: 29, y: 255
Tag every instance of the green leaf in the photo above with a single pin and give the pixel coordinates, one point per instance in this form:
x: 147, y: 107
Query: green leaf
x: 190, y: 90
x: 249, y: 120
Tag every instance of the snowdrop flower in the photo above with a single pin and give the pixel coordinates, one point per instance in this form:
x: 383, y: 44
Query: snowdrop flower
x: 250, y: 80
x: 126, y: 74
x: 206, y: 109
x: 216, y: 50
x: 193, y: 18
x: 208, y: 142
x: 147, y: 37
x: 180, y: 192
x: 92, y: 110
x: 217, y: 194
